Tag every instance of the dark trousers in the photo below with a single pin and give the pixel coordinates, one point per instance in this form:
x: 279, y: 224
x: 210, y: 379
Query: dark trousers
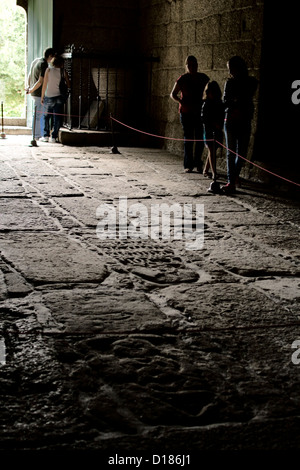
x: 53, y: 109
x: 237, y: 140
x: 192, y: 130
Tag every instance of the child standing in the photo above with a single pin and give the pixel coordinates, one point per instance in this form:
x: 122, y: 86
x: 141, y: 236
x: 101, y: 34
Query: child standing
x: 213, y: 120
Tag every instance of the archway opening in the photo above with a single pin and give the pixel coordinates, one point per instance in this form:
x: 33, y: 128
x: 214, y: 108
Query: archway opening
x: 13, y: 21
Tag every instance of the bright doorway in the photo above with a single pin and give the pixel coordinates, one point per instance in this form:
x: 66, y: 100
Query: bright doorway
x: 13, y: 24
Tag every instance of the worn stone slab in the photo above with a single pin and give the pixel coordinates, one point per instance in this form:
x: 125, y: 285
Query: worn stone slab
x: 221, y: 205
x: 281, y: 288
x: 106, y: 310
x: 52, y: 258
x: 150, y: 261
x: 109, y: 187
x: 285, y: 209
x: 77, y: 165
x: 224, y: 306
x: 24, y: 214
x: 84, y: 208
x: 193, y: 374
x: 152, y: 155
x: 281, y: 237
x: 53, y: 186
x: 160, y: 184
x: 15, y: 148
x: 115, y: 164
x: 33, y: 168
x: 49, y: 151
x: 12, y: 187
x: 251, y: 218
x: 12, y: 283
x: 247, y: 258
x: 6, y: 172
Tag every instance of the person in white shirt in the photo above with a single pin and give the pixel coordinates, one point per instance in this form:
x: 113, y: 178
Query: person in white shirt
x: 52, y: 98
x: 35, y: 81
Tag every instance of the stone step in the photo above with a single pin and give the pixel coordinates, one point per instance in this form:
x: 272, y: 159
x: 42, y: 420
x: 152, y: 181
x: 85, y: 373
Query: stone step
x: 85, y: 137
x: 13, y: 121
x: 16, y: 130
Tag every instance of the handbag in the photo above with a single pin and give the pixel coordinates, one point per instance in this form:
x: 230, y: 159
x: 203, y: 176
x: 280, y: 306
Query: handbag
x: 63, y: 87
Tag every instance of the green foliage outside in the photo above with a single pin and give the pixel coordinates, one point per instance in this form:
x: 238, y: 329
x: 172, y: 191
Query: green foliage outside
x: 12, y: 58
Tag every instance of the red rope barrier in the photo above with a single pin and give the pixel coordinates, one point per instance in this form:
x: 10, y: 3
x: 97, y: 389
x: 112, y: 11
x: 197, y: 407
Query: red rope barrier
x: 224, y: 146
x: 258, y: 166
x: 192, y: 140
x: 160, y: 136
x: 132, y: 128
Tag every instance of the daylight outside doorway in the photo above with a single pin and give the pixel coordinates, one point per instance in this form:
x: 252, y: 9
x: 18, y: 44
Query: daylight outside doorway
x: 12, y: 59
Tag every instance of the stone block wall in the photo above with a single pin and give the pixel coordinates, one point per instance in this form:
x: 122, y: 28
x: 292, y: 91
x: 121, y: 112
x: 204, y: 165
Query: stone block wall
x: 105, y: 25
x: 213, y: 31
x: 167, y: 30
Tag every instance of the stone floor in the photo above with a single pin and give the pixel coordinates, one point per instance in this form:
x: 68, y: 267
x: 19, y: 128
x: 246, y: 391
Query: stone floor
x: 130, y: 344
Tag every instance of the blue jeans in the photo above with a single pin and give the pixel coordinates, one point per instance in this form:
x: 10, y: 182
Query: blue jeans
x: 38, y: 115
x: 53, y: 109
x: 237, y: 140
x: 192, y: 129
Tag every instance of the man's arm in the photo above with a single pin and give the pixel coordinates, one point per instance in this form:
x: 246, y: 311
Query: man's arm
x: 36, y: 85
x: 45, y: 83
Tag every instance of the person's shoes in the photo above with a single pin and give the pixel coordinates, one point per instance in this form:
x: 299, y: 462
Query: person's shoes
x: 52, y: 140
x: 188, y: 170
x: 214, y: 188
x: 206, y: 174
x: 44, y: 139
x: 229, y: 188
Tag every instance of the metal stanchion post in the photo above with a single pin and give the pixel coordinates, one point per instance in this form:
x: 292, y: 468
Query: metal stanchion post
x: 3, y: 136
x: 114, y: 148
x: 33, y: 142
